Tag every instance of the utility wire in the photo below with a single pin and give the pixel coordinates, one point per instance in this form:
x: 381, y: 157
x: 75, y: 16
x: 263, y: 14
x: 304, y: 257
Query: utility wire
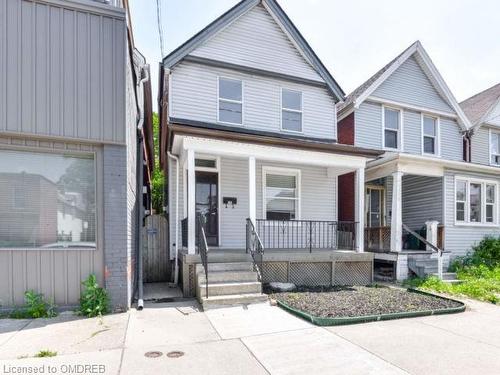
x: 160, y: 29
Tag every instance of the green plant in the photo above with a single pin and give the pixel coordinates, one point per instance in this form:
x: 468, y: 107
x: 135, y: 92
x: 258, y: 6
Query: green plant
x: 157, y: 180
x: 37, y: 307
x: 45, y: 353
x: 94, y: 300
x: 487, y: 253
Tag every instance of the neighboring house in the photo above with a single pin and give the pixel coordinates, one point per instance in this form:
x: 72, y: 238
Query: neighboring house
x: 248, y: 130
x: 421, y: 182
x: 69, y: 108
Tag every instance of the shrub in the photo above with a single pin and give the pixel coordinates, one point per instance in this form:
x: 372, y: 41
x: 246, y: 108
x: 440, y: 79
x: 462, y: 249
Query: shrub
x: 94, y: 300
x: 487, y: 253
x: 37, y: 307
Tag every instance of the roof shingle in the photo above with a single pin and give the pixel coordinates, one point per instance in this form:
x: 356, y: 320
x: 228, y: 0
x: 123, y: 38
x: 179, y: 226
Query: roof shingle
x: 476, y: 106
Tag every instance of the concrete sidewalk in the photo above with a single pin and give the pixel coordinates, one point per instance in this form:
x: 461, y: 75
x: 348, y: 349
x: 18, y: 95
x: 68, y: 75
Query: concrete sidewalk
x: 257, y: 339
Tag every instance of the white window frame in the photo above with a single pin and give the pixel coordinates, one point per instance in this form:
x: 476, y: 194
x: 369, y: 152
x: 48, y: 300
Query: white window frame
x: 483, y: 183
x: 437, y: 137
x: 219, y: 99
x: 286, y: 172
x: 490, y: 153
x: 292, y: 110
x: 399, y: 131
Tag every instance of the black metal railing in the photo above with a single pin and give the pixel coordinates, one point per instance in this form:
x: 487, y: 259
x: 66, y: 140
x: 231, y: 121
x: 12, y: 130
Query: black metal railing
x: 306, y: 234
x: 254, y: 247
x: 203, y: 249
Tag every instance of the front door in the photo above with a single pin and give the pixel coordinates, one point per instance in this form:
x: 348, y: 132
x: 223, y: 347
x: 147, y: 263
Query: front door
x: 207, y: 204
x: 374, y: 206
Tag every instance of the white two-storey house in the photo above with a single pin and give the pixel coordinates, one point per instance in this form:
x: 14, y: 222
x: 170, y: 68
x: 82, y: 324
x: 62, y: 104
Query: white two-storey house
x: 422, y: 194
x: 249, y: 145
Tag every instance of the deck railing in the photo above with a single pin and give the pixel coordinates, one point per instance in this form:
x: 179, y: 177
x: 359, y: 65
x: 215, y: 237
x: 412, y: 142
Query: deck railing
x: 306, y: 234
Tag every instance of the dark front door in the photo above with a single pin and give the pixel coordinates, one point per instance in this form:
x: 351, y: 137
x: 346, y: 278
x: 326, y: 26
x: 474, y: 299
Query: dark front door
x: 207, y: 204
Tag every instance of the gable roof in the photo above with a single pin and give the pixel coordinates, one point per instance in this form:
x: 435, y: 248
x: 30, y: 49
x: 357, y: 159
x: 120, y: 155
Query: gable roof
x: 360, y: 94
x: 478, y: 107
x: 283, y: 21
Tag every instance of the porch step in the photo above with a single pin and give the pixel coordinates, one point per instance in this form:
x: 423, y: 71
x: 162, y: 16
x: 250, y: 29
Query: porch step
x: 235, y: 299
x: 449, y: 277
x: 229, y: 276
x: 227, y: 289
x: 227, y: 266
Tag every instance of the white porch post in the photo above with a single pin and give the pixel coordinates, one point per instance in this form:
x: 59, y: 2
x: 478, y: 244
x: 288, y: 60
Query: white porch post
x: 252, y: 200
x: 191, y: 205
x: 397, y: 212
x: 359, y: 213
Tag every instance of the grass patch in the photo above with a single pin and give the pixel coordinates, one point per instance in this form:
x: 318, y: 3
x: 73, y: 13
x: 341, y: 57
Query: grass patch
x: 45, y: 353
x: 478, y: 282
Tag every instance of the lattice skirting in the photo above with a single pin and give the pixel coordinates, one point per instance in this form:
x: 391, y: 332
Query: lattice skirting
x: 318, y: 273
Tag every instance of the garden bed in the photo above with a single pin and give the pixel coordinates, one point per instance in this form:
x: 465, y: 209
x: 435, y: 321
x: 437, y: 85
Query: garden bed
x: 355, y: 304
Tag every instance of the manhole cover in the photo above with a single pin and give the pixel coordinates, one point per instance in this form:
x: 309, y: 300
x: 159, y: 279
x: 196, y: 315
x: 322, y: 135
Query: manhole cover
x: 153, y: 354
x: 175, y: 354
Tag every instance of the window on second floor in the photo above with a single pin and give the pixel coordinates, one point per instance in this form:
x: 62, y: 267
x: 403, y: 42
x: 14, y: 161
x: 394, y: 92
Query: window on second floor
x: 475, y: 202
x: 430, y: 135
x: 230, y: 105
x: 495, y: 148
x: 392, y: 128
x: 291, y: 110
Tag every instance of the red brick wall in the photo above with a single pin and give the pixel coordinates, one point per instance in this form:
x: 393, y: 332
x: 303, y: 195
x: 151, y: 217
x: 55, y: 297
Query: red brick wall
x: 345, y: 131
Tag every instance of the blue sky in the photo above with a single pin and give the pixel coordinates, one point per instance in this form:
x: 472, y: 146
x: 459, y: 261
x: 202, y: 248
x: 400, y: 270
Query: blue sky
x: 355, y: 38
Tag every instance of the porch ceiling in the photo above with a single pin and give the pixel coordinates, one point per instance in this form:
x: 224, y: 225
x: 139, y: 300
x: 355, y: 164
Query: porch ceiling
x: 337, y: 163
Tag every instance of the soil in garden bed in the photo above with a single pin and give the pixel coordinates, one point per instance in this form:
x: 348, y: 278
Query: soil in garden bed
x: 351, y: 301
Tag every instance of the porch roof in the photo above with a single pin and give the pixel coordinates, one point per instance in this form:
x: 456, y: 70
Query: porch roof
x: 256, y: 137
x: 420, y: 165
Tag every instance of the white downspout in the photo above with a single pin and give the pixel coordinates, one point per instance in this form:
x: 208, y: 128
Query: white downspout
x: 176, y: 272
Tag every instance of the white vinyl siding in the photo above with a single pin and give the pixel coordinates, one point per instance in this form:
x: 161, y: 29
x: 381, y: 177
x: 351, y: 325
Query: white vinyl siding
x: 480, y: 146
x: 409, y: 84
x: 422, y: 200
x: 370, y: 130
x: 318, y: 197
x: 460, y: 238
x: 194, y: 97
x: 257, y: 41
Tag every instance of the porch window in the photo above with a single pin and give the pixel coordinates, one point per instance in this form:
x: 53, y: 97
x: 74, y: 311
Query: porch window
x: 230, y: 101
x: 47, y: 200
x: 495, y: 148
x: 291, y: 110
x: 281, y: 194
x: 392, y: 127
x: 475, y: 201
x: 430, y: 135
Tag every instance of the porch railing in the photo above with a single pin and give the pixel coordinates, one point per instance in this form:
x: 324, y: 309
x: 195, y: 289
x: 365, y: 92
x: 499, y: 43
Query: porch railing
x: 306, y: 234
x: 203, y: 249
x: 254, y: 247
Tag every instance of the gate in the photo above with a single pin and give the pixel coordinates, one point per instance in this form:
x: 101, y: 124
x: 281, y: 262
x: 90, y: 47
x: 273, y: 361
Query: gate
x: 155, y: 257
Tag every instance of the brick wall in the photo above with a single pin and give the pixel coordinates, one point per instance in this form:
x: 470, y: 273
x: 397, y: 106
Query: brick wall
x: 345, y: 131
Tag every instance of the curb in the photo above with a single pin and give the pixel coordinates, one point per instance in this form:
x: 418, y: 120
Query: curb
x: 373, y: 318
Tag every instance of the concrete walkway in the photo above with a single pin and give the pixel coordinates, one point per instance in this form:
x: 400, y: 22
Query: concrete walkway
x: 258, y: 339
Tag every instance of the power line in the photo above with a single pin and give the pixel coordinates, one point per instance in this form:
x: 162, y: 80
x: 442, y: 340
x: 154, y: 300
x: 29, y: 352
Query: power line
x: 160, y: 29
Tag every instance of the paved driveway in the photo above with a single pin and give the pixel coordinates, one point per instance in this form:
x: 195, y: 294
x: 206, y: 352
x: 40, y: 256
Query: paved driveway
x: 258, y: 339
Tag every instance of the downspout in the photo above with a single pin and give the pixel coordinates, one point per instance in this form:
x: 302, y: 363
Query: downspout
x: 140, y: 187
x: 176, y: 272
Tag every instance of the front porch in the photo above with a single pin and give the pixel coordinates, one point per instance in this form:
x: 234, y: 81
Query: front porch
x: 288, y: 197
x: 404, y: 213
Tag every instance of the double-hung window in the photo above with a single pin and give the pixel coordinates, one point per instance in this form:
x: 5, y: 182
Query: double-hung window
x: 291, y: 110
x: 392, y: 128
x: 495, y: 148
x: 230, y: 107
x: 430, y: 135
x: 281, y: 194
x: 47, y: 200
x: 475, y: 201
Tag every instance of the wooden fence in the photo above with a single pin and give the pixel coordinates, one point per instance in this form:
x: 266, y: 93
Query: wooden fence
x: 155, y: 257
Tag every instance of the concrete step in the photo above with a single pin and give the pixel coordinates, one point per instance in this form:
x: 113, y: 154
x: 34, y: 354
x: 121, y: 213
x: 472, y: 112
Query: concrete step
x: 236, y: 299
x: 447, y: 276
x: 227, y: 289
x: 228, y: 276
x: 231, y: 266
